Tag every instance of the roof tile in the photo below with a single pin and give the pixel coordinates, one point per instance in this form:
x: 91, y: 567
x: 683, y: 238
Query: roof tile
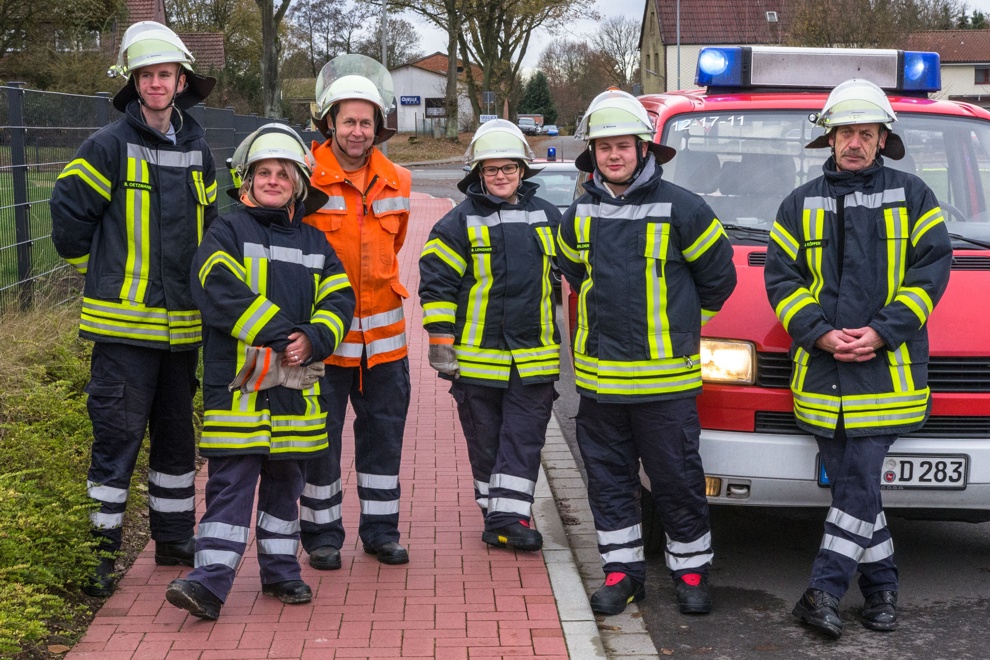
x: 723, y: 22
x: 953, y: 46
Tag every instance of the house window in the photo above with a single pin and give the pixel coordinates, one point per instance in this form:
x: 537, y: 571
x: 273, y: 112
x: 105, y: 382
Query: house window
x: 982, y: 75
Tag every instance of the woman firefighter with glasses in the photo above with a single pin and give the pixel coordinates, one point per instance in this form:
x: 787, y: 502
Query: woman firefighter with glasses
x: 488, y: 306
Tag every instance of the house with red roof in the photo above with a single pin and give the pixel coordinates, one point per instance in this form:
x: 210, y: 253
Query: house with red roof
x: 965, y: 56
x: 420, y: 90
x: 206, y: 47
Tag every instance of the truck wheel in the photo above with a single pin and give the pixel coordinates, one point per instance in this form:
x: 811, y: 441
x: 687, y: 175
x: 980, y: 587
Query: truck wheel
x: 654, y: 540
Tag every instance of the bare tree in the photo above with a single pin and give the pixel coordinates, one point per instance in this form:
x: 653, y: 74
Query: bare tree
x: 271, y: 50
x: 868, y: 23
x: 402, y: 44
x: 572, y: 72
x: 617, y: 43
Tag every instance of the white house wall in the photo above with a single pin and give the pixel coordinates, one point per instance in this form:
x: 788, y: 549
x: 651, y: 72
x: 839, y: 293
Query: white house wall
x: 959, y: 80
x: 689, y: 65
x: 412, y: 81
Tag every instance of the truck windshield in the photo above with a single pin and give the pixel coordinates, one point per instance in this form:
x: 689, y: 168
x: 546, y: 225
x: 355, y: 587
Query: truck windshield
x: 745, y: 163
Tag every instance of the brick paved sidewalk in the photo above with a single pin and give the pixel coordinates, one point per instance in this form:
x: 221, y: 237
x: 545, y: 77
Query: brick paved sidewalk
x: 457, y: 597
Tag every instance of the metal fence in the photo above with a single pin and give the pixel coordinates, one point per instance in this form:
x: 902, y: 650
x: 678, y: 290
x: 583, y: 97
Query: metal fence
x: 39, y: 134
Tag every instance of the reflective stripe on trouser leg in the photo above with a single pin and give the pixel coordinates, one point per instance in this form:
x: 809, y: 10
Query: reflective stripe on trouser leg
x: 855, y: 528
x: 172, y: 454
x: 667, y: 434
x: 224, y: 529
x: 380, y: 407
x: 605, y: 438
x: 278, y: 520
x: 322, y: 498
x: 122, y: 397
x: 480, y: 411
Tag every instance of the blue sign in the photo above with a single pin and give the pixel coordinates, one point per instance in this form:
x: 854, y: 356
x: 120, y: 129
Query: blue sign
x: 409, y: 100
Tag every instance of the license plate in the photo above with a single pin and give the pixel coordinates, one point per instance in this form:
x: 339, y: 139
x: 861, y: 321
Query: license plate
x: 918, y: 471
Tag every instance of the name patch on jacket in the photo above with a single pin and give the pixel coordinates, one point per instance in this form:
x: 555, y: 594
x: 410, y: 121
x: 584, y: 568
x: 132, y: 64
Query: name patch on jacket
x: 482, y: 249
x: 582, y: 246
x: 138, y: 185
x: 817, y: 243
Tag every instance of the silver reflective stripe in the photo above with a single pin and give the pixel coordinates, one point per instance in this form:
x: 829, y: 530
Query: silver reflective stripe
x: 284, y: 254
x: 165, y: 158
x: 335, y: 204
x: 518, y: 216
x: 509, y: 505
x: 387, y: 344
x: 877, y: 552
x: 875, y: 200
x: 106, y: 520
x: 621, y: 536
x: 481, y: 487
x: 701, y: 544
x: 482, y: 502
x: 107, y: 494
x: 624, y: 212
x: 315, y: 492
x: 319, y: 516
x: 374, y: 508
x: 278, y: 547
x: 881, y: 522
x: 482, y: 220
x: 221, y: 557
x: 851, y: 524
x: 170, y: 505
x: 172, y: 480
x: 676, y: 563
x: 270, y: 523
x: 510, y: 482
x: 816, y: 203
x: 624, y: 556
x: 349, y: 349
x: 377, y: 320
x: 377, y: 481
x: 224, y: 532
x: 387, y: 204
x: 842, y: 547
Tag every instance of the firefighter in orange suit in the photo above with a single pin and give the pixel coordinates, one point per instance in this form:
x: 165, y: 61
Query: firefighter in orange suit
x: 365, y: 221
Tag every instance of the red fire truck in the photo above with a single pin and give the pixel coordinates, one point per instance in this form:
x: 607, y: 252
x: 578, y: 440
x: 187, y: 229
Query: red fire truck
x: 740, y: 145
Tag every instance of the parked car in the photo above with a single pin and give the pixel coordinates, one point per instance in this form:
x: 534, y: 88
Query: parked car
x: 528, y: 126
x: 551, y: 130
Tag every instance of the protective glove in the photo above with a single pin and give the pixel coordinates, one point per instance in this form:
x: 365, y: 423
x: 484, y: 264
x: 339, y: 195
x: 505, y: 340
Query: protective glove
x: 263, y: 369
x: 443, y: 358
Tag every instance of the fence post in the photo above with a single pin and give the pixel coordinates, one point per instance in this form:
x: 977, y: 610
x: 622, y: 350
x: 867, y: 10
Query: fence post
x: 22, y: 210
x: 103, y: 109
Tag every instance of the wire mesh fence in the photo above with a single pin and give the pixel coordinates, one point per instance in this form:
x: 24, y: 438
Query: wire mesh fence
x: 39, y: 134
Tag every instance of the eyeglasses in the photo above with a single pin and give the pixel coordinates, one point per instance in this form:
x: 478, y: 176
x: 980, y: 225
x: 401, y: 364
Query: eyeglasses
x: 507, y: 170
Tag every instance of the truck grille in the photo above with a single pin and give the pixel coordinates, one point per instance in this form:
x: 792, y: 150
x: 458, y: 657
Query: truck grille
x: 945, y: 374
x: 954, y: 427
x: 758, y: 259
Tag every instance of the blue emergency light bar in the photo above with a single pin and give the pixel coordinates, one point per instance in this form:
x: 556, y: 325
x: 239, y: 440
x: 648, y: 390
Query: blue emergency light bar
x: 770, y: 67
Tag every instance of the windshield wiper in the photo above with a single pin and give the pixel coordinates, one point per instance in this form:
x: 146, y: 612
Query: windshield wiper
x: 764, y: 234
x: 972, y: 241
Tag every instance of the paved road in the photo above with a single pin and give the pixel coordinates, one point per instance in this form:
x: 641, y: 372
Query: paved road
x: 762, y: 561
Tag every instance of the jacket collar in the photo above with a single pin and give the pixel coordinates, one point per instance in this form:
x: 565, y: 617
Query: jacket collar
x: 189, y: 128
x: 328, y: 171
x: 647, y: 181
x: 843, y: 183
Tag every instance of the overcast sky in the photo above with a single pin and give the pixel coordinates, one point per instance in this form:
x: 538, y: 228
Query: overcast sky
x: 433, y: 40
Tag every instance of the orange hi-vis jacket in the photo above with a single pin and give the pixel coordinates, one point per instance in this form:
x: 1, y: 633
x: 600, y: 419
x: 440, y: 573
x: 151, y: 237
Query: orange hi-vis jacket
x: 367, y: 230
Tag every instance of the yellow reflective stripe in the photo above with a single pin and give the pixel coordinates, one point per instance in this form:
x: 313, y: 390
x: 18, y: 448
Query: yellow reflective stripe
x: 211, y: 192
x: 332, y: 321
x: 669, y: 375
x: 254, y: 318
x: 298, y: 433
x: 900, y: 369
x: 446, y: 254
x: 221, y: 258
x: 783, y: 239
x: 439, y: 312
x: 800, y: 369
x: 478, y: 296
x: 540, y: 361
x: 792, y: 304
x: 813, y: 222
x: 582, y: 233
x: 817, y: 409
x: 81, y: 264
x: 547, y: 302
x: 484, y: 363
x: 704, y: 242
x: 926, y: 222
x: 706, y: 316
x: 545, y: 235
x: 138, y: 221
x: 232, y: 430
x: 657, y: 328
x: 896, y: 222
x: 331, y: 284
x: 885, y: 409
x: 917, y: 300
x: 135, y: 321
x: 80, y: 168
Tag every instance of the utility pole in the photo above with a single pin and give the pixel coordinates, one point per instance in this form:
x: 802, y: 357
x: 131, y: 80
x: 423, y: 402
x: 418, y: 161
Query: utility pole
x: 384, y: 145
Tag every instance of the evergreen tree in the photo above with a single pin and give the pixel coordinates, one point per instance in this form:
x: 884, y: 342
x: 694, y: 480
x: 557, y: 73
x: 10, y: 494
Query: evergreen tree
x: 538, y: 100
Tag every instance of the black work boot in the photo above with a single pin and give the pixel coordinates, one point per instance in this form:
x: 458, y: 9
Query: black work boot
x: 325, y: 558
x: 391, y: 552
x: 820, y: 610
x: 518, y: 535
x: 101, y: 582
x: 618, y: 591
x: 880, y: 611
x: 175, y: 553
x: 193, y: 597
x: 291, y: 592
x: 692, y: 593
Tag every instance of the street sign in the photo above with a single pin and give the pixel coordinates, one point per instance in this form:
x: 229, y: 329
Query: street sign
x: 483, y: 118
x: 488, y: 98
x: 409, y: 100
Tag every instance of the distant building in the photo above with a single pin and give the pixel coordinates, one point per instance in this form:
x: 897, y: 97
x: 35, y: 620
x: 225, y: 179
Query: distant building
x: 965, y: 56
x: 420, y: 89
x: 206, y: 47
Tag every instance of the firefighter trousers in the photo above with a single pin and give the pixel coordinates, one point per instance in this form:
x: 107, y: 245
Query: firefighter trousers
x: 133, y: 390
x: 856, y: 534
x: 380, y: 398
x: 664, y: 435
x: 505, y: 429
x: 225, y: 527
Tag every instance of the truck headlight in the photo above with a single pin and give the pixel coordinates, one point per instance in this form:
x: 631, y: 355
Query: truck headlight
x: 724, y: 361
